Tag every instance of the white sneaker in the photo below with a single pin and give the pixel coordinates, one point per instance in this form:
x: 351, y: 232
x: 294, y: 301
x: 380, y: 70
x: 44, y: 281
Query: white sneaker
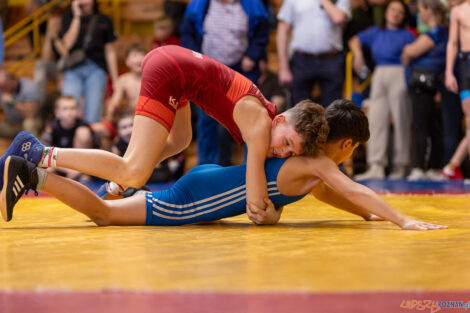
x: 398, y: 172
x: 435, y: 175
x: 375, y: 171
x: 417, y: 174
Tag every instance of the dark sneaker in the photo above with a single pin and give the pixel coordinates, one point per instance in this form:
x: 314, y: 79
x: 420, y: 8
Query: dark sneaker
x: 19, y: 177
x: 24, y: 145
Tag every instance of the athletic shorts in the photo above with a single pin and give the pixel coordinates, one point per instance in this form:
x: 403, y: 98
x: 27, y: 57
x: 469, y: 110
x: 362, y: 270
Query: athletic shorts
x: 464, y: 73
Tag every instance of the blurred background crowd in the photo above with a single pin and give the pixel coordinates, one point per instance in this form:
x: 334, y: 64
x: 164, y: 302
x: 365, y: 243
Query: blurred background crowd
x: 71, y: 73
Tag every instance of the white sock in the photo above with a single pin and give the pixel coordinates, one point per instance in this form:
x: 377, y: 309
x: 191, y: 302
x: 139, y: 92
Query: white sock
x: 115, y: 189
x: 42, y: 174
x: 49, y: 157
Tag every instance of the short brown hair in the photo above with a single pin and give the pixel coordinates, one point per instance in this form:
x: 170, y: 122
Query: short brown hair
x: 347, y: 120
x: 310, y: 123
x: 136, y: 47
x: 64, y: 97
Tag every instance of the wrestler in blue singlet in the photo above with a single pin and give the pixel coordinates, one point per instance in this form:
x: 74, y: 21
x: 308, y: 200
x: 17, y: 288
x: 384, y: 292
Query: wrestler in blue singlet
x: 209, y: 193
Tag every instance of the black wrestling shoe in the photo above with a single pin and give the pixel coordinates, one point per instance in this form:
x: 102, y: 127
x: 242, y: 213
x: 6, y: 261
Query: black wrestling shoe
x: 19, y: 176
x: 132, y: 191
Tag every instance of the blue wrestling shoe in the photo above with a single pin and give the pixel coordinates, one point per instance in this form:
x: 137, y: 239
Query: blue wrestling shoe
x: 24, y: 145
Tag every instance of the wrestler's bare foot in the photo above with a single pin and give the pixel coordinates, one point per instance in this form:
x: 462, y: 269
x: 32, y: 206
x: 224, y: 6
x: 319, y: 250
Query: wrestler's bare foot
x: 373, y: 217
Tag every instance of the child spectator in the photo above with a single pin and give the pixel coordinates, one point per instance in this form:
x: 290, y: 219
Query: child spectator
x: 68, y: 130
x: 20, y: 104
x: 128, y: 85
x: 163, y: 29
x: 167, y: 170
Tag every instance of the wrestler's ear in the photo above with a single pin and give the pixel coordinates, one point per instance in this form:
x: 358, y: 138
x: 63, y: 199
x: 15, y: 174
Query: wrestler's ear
x: 347, y: 143
x: 278, y: 119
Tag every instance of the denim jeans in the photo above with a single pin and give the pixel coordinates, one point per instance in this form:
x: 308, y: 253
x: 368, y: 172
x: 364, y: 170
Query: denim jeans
x: 87, y: 80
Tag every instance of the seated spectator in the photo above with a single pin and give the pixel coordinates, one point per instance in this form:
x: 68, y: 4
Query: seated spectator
x: 163, y: 29
x: 21, y: 105
x: 388, y: 96
x: 268, y: 84
x: 68, y: 130
x: 127, y: 85
x: 46, y: 67
x: 169, y: 169
x: 427, y: 58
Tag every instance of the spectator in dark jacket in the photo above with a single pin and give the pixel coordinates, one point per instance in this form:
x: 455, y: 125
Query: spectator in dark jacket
x: 235, y: 33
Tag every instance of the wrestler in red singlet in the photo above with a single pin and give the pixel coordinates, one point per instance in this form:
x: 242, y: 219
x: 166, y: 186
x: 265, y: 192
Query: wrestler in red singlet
x: 172, y: 76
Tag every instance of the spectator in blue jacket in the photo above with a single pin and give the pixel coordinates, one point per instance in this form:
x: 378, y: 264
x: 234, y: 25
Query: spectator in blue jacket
x: 235, y: 33
x: 427, y: 59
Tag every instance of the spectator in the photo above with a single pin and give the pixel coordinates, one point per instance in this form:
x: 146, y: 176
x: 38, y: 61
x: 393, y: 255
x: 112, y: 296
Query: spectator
x: 128, y: 85
x: 235, y: 33
x: 46, y: 67
x: 163, y: 32
x: 68, y: 130
x: 318, y: 59
x: 459, y: 39
x: 427, y: 55
x: 175, y: 10
x: 20, y: 104
x: 89, y: 78
x: 388, y: 91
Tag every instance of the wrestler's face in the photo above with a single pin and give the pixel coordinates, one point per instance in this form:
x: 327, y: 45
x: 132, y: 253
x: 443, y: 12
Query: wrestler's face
x: 285, y: 141
x: 134, y: 61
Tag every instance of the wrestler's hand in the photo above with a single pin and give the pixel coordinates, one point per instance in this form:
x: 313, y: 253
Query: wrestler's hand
x: 268, y: 216
x: 410, y: 224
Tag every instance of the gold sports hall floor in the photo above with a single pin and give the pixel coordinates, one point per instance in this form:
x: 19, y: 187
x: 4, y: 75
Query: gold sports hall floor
x: 317, y: 259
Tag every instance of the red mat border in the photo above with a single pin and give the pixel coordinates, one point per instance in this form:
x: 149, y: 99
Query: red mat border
x: 217, y: 302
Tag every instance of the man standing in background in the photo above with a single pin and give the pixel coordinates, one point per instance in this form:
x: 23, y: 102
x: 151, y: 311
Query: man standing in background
x: 317, y: 46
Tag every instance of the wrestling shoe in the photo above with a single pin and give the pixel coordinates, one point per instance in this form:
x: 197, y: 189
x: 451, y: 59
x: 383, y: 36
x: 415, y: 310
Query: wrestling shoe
x: 19, y: 177
x: 24, y: 145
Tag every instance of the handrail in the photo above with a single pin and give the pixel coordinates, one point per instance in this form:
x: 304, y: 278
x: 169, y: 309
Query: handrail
x: 25, y: 26
x: 348, y: 78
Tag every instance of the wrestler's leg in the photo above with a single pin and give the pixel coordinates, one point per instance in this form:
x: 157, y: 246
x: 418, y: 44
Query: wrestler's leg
x: 128, y: 211
x: 180, y: 135
x: 146, y: 144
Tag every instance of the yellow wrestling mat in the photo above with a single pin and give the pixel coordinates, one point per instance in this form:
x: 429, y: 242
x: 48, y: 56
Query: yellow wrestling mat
x: 315, y: 248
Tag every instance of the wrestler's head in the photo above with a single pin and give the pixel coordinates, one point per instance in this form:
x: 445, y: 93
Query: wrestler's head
x: 134, y: 57
x: 348, y: 128
x: 301, y: 130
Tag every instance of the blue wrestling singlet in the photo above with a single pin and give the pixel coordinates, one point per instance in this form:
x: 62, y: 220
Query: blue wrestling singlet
x: 209, y: 193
